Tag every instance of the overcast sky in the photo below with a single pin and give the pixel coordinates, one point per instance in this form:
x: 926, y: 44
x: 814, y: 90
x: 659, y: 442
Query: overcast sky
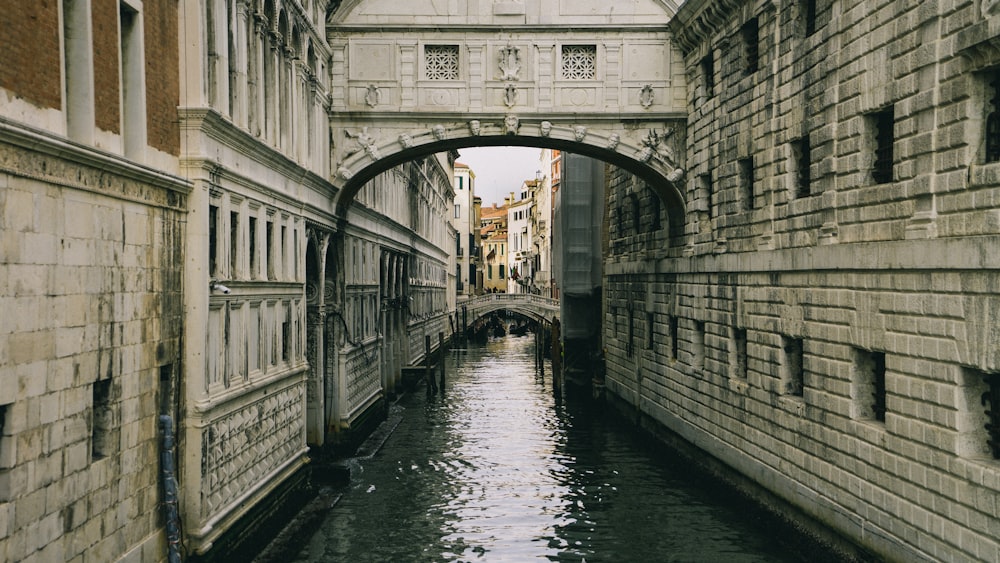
x: 500, y: 170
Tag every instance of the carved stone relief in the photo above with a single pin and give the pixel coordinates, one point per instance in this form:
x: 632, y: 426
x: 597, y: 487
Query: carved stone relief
x: 646, y: 96
x: 510, y: 95
x: 510, y: 125
x: 510, y: 63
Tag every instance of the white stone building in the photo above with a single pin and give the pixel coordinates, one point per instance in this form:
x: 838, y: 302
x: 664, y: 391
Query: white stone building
x: 519, y: 242
x: 466, y: 224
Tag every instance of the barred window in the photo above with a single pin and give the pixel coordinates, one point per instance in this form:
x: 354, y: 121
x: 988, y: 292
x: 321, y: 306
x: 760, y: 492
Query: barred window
x: 882, y: 124
x: 993, y: 116
x: 801, y: 161
x: 751, y: 52
x: 579, y: 62
x: 441, y: 62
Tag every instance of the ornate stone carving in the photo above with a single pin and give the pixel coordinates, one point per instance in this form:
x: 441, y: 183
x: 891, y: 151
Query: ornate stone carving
x: 579, y: 133
x: 475, y: 127
x: 344, y: 173
x: 650, y: 142
x: 646, y: 96
x: 510, y: 63
x: 676, y: 175
x: 510, y: 95
x: 545, y: 128
x: 510, y: 125
x: 439, y: 132
x: 373, y: 96
x: 406, y: 141
x: 365, y: 142
x: 613, y: 141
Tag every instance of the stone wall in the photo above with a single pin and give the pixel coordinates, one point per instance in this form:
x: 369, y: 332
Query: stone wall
x: 828, y: 328
x: 89, y: 350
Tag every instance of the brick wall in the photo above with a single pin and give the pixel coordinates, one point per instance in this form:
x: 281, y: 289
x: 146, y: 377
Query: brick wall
x: 29, y: 38
x: 162, y: 75
x: 107, y: 68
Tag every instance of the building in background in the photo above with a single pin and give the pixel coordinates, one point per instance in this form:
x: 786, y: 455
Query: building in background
x: 466, y: 222
x: 519, y: 250
x: 494, y: 240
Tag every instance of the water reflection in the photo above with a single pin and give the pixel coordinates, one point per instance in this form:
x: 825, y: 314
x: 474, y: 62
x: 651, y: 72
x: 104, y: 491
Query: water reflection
x: 496, y: 469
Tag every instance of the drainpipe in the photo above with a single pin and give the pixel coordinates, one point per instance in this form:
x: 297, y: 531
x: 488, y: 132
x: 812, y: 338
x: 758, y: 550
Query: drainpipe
x: 170, y: 490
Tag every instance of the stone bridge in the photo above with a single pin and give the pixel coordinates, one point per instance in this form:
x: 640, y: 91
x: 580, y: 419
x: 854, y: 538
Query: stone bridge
x: 586, y: 77
x: 539, y: 308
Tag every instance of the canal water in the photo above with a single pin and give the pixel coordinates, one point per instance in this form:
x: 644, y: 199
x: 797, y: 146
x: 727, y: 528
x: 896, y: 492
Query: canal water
x: 497, y: 469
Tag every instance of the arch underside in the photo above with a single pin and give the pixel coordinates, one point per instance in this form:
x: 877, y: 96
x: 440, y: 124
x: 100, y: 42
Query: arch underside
x: 652, y: 150
x: 540, y: 315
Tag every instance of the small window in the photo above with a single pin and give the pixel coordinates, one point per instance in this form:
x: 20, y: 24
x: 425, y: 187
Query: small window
x: 747, y: 183
x: 672, y: 323
x: 698, y: 346
x: 979, y: 420
x: 708, y: 73
x: 269, y: 236
x: 868, y: 385
x: 808, y: 8
x: 252, y: 227
x: 458, y: 211
x: 579, y: 62
x: 213, y: 239
x: 441, y: 62
x: 882, y: 124
x: 993, y: 115
x: 739, y: 352
x: 751, y: 51
x: 234, y: 240
x: 706, y: 186
x: 792, y: 367
x: 102, y: 425
x: 801, y: 160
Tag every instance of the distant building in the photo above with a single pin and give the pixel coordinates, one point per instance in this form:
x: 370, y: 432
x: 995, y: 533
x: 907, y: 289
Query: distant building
x: 466, y: 223
x: 494, y: 241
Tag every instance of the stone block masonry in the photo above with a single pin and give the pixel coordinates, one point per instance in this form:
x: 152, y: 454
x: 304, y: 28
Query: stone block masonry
x: 91, y: 322
x: 825, y: 325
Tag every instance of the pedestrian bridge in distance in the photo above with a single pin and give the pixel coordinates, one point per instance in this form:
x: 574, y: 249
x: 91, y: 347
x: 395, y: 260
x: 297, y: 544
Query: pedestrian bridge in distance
x: 535, y: 306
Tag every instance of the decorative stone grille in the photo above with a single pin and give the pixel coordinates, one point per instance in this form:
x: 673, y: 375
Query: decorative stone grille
x: 240, y: 449
x: 441, y: 62
x: 579, y: 62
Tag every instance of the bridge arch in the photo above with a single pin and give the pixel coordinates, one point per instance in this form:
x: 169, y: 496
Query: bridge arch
x: 590, y: 77
x: 649, y: 158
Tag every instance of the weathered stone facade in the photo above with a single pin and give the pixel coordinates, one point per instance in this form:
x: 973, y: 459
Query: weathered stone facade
x: 825, y: 325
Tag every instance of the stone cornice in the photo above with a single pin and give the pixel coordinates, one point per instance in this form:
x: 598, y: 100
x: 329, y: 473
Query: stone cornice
x: 698, y: 20
x: 60, y: 161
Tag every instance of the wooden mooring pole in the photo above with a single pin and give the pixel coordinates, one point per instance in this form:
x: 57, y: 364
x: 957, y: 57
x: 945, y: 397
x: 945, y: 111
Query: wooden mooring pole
x: 441, y: 357
x: 428, y: 375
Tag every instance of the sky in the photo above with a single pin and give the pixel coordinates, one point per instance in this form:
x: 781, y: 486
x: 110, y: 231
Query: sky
x: 500, y: 170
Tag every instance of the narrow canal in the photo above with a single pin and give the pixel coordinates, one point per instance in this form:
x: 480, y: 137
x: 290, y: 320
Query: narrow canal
x: 497, y: 469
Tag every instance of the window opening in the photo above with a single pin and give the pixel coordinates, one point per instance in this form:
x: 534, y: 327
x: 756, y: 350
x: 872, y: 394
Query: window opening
x: 672, y: 322
x: 801, y: 158
x: 809, y: 16
x: 751, y: 52
x: 213, y: 239
x: 793, y: 367
x: 746, y: 183
x: 252, y: 227
x: 441, y: 62
x: 103, y: 419
x: 234, y: 238
x: 740, y: 352
x: 883, y: 128
x: 993, y: 117
x: 579, y: 62
x: 869, y: 385
x: 708, y: 73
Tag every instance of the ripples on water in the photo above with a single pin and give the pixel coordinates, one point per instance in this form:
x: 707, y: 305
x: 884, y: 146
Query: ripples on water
x: 496, y: 470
